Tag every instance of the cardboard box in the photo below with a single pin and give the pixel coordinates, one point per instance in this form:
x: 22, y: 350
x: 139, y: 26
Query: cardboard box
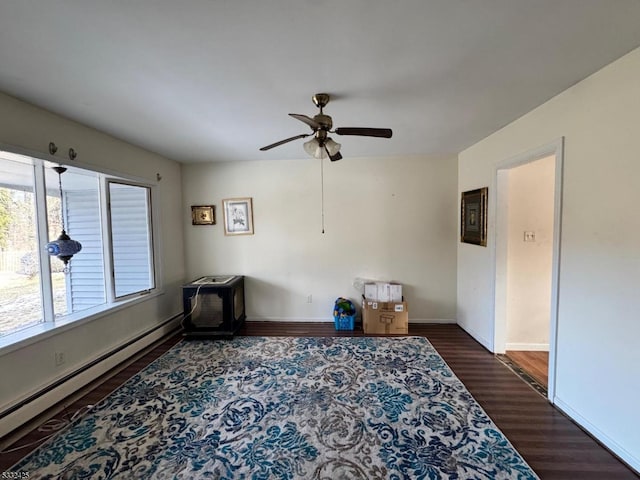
x: 383, y: 292
x: 385, y: 317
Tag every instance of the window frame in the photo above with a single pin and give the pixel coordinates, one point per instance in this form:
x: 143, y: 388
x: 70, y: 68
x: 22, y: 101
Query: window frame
x: 108, y: 180
x: 50, y: 325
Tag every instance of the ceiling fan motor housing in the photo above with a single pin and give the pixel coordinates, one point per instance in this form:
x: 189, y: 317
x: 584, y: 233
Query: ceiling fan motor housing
x: 321, y: 136
x: 325, y: 121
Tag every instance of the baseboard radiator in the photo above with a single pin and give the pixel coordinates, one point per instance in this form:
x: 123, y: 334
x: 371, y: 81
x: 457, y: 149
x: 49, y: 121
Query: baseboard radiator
x: 26, y: 410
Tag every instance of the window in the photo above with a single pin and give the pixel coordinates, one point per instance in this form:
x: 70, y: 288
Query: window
x: 112, y: 219
x: 20, y: 298
x: 83, y: 285
x: 131, y: 238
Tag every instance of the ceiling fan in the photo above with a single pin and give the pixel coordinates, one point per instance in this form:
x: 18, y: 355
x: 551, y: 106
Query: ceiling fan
x: 321, y: 144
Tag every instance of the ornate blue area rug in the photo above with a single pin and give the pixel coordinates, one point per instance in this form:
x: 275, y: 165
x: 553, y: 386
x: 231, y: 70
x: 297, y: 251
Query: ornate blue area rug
x: 286, y: 408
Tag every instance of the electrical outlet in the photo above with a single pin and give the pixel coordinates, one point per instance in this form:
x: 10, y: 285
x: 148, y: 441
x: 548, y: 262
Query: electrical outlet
x: 309, y: 298
x: 59, y: 358
x: 529, y: 236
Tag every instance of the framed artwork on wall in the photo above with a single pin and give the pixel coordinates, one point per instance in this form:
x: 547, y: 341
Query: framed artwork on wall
x: 203, y: 215
x: 238, y: 216
x: 473, y: 216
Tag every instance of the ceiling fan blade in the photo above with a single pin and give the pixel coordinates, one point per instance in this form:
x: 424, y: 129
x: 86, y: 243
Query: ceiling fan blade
x: 308, y: 120
x: 365, y: 132
x: 286, y: 140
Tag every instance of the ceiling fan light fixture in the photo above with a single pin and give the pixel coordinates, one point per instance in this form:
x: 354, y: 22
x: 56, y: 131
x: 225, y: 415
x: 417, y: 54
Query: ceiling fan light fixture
x: 315, y: 150
x: 312, y: 147
x: 332, y: 146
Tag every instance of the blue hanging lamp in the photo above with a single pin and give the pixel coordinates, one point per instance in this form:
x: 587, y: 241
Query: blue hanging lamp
x: 63, y: 247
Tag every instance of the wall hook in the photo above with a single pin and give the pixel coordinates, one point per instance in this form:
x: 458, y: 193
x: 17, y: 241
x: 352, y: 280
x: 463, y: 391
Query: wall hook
x: 53, y: 148
x: 72, y: 154
x: 158, y: 177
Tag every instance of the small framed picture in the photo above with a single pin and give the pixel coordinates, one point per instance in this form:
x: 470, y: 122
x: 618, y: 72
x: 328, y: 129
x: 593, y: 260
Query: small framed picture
x: 238, y: 216
x: 203, y: 215
x: 473, y: 216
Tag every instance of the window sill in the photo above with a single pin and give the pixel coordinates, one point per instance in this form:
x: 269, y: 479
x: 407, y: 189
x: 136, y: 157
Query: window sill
x: 37, y: 333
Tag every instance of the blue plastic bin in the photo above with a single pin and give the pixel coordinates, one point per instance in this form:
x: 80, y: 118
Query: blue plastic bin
x: 344, y: 314
x: 344, y: 322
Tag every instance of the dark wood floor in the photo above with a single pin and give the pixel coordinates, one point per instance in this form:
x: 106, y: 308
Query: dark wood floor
x: 551, y: 443
x: 535, y: 364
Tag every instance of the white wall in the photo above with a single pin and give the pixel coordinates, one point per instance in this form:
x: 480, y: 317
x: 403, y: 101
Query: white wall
x: 385, y: 218
x: 26, y: 370
x: 598, y: 328
x: 530, y: 209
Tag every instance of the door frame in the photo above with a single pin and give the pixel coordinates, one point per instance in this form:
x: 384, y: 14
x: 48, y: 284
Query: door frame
x: 556, y: 149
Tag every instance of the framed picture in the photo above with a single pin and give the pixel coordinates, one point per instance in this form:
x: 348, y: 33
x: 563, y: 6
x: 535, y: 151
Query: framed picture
x: 203, y: 215
x: 238, y: 216
x: 473, y: 217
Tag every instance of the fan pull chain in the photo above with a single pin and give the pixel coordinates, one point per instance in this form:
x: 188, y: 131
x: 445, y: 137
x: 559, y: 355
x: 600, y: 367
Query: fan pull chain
x: 322, y: 191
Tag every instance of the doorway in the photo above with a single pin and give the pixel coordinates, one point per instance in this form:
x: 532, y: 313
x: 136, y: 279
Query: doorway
x: 528, y: 194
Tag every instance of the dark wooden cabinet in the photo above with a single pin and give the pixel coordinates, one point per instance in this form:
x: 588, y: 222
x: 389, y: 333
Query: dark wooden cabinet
x: 213, y: 306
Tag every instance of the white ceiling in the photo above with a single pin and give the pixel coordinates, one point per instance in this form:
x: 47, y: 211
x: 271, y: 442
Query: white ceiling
x: 214, y: 80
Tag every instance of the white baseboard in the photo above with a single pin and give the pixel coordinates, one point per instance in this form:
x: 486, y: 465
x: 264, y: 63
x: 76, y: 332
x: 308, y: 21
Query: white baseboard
x: 433, y: 320
x: 51, y: 397
x: 330, y: 320
x: 528, y: 347
x: 477, y: 337
x: 611, y: 444
x: 292, y: 319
